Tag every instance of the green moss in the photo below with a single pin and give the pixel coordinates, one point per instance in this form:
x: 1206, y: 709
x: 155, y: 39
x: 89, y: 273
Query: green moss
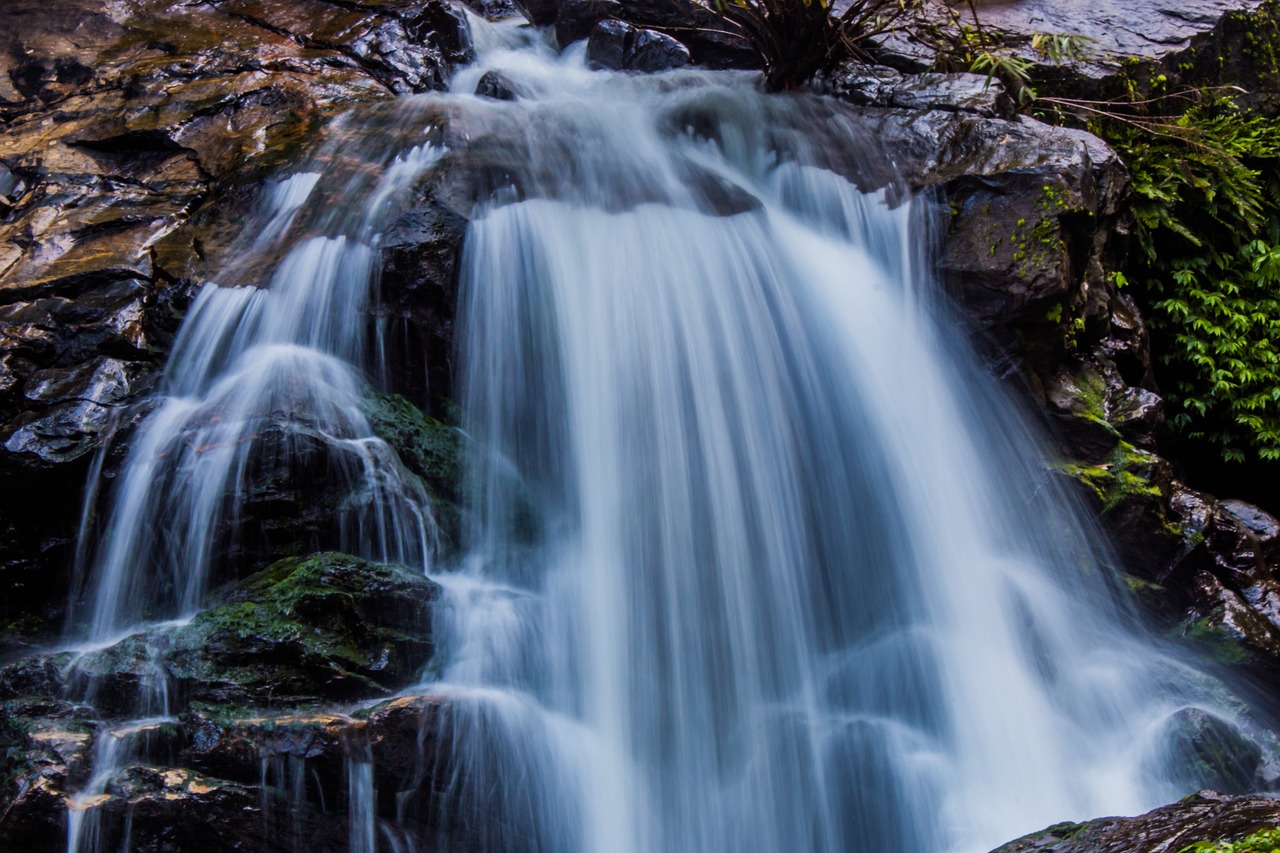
x: 431, y: 449
x: 428, y: 447
x: 304, y: 621
x: 1261, y: 841
x: 1215, y: 641
x: 1126, y: 475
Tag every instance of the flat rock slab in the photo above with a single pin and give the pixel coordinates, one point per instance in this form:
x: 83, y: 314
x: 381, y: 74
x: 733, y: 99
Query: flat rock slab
x: 1204, y: 816
x: 1142, y: 28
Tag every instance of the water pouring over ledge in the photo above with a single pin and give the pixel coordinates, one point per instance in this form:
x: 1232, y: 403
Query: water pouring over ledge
x: 758, y: 557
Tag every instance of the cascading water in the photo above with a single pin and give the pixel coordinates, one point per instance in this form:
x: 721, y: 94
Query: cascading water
x: 758, y: 557
x: 263, y: 382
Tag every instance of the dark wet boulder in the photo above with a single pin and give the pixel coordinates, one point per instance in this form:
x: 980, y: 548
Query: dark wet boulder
x: 700, y: 29
x: 418, y: 292
x: 1205, y: 747
x: 494, y: 10
x: 577, y: 19
x: 400, y: 738
x: 430, y: 449
x: 882, y: 86
x: 45, y: 747
x: 496, y: 86
x: 1205, y: 816
x: 622, y: 47
x: 328, y: 626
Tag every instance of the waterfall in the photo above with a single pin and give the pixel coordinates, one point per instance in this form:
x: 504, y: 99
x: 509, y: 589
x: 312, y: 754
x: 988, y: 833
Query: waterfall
x: 758, y: 557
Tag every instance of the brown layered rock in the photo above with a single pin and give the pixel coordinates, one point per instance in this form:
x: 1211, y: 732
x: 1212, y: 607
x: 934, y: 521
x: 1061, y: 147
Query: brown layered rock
x: 1205, y: 816
x: 223, y: 778
x: 135, y: 136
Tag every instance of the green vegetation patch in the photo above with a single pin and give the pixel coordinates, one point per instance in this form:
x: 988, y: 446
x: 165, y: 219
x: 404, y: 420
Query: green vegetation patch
x: 1208, y: 271
x: 1263, y: 841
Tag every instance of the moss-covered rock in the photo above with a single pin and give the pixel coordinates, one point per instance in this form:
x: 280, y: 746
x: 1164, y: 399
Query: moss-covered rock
x: 431, y: 449
x: 329, y: 626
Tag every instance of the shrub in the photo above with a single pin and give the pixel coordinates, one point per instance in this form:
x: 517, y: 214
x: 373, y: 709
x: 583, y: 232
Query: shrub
x: 796, y: 39
x: 1207, y: 200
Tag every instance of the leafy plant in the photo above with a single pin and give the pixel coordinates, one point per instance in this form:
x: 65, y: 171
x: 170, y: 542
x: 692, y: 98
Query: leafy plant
x: 1206, y: 176
x: 1012, y: 70
x: 1207, y: 190
x: 1263, y: 841
x: 796, y: 39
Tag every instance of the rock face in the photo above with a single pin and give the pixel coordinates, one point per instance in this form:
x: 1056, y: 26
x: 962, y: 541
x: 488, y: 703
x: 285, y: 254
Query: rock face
x: 134, y: 135
x: 1149, y: 29
x: 1144, y: 46
x: 326, y: 628
x: 694, y: 24
x: 239, y: 781
x: 1205, y: 816
x: 622, y: 47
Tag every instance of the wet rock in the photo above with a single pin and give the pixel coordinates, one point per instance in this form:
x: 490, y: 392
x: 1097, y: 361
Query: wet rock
x: 44, y: 749
x: 222, y: 741
x: 1095, y: 407
x: 418, y: 298
x: 622, y: 47
x: 1205, y: 816
x: 430, y: 449
x: 494, y: 10
x: 1036, y: 219
x: 1207, y: 748
x: 496, y: 85
x: 401, y: 737
x: 577, y: 19
x: 328, y: 626
x: 881, y: 86
x: 698, y: 27
x: 1196, y: 43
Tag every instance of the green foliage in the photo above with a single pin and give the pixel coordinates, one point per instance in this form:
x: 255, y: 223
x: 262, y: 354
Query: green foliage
x: 1263, y: 841
x: 1207, y: 190
x: 1214, y: 641
x: 1012, y: 70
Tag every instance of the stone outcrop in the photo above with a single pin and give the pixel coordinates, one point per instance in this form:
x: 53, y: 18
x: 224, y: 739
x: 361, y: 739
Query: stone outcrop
x: 328, y: 628
x: 622, y: 47
x: 1113, y: 48
x: 1205, y: 816
x: 236, y: 779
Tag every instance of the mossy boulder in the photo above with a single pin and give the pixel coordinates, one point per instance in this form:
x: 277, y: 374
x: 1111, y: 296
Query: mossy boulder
x: 325, y: 627
x: 329, y: 625
x: 429, y: 448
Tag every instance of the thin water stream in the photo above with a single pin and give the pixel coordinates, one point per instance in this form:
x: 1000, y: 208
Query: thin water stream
x: 758, y: 556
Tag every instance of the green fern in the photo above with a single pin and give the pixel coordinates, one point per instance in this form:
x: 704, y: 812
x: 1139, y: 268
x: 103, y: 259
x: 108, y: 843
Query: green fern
x: 1207, y: 194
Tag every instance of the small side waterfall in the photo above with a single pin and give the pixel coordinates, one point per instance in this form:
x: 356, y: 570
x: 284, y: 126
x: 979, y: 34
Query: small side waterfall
x: 265, y: 383
x: 758, y: 557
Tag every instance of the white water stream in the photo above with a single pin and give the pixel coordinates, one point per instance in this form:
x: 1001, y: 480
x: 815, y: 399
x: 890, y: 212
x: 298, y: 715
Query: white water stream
x: 759, y: 558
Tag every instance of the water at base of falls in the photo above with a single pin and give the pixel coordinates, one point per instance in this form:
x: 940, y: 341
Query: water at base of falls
x: 758, y: 558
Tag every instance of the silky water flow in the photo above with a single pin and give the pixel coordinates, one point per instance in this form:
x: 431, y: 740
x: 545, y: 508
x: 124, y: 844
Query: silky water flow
x: 756, y: 557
